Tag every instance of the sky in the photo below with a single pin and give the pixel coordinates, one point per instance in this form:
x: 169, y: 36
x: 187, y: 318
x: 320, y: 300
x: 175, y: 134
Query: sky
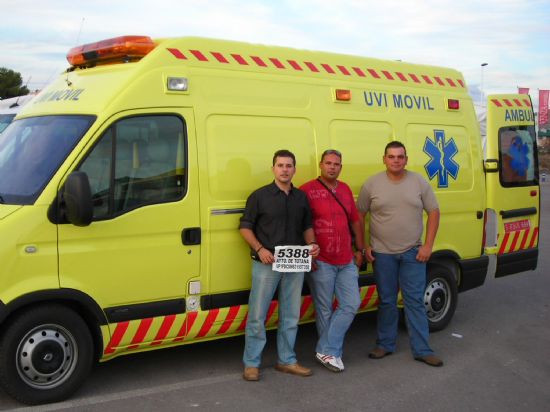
x: 511, y: 36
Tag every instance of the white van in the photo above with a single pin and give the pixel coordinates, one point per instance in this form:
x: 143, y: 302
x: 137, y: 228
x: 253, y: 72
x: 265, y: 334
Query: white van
x: 10, y: 107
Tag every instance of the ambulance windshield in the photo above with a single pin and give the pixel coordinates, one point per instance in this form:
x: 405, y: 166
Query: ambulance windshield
x: 31, y: 151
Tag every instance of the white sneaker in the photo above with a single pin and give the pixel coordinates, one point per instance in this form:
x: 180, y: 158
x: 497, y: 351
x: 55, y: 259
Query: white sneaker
x: 340, y: 363
x: 330, y: 362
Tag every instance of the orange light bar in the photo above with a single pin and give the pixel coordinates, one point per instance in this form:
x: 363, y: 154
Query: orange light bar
x: 127, y: 47
x: 343, y: 95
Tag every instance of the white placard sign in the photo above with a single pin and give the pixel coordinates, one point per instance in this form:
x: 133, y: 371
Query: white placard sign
x: 292, y: 259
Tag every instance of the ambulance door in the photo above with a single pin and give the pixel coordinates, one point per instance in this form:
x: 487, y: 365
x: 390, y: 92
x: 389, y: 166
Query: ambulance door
x: 511, y: 168
x: 143, y: 245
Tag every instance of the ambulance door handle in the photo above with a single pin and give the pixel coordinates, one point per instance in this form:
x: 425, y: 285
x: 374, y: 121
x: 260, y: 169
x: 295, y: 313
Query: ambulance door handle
x: 191, y: 236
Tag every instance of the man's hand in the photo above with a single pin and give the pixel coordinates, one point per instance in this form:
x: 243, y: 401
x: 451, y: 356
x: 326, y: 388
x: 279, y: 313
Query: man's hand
x: 315, y: 250
x: 424, y: 253
x: 358, y: 258
x: 368, y: 254
x: 266, y: 256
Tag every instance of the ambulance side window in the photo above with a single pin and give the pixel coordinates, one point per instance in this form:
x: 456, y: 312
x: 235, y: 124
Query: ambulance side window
x: 518, y: 158
x: 139, y: 161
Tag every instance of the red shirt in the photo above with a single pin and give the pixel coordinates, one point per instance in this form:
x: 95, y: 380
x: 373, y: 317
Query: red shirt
x: 330, y: 222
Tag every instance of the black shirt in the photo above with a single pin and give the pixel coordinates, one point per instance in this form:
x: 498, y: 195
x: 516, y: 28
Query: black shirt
x: 277, y: 219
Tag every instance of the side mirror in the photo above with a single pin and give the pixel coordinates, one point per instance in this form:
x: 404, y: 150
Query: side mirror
x: 77, y: 197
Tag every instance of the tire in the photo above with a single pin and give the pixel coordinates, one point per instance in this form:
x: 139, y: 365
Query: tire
x: 46, y: 352
x: 440, y: 296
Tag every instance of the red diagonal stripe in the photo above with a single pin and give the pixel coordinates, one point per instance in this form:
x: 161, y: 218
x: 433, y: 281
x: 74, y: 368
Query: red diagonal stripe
x: 198, y: 55
x: 388, y: 75
x: 143, y: 328
x: 305, y: 306
x: 311, y: 67
x: 508, y: 102
x: 164, y: 329
x: 295, y: 65
x: 450, y: 81
x: 208, y: 322
x: 368, y: 296
x: 240, y: 59
x: 344, y: 70
x: 243, y: 323
x: 414, y: 77
x: 517, y: 102
x: 524, y: 240
x: 438, y: 80
x: 460, y: 82
x: 514, y: 241
x: 219, y: 57
x: 327, y: 68
x: 534, y: 237
x: 177, y: 54
x: 277, y: 63
x: 359, y: 72
x: 258, y: 61
x: 496, y: 102
x: 527, y: 102
x: 373, y: 73
x: 231, y: 315
x: 503, y: 244
x: 402, y: 77
x: 427, y: 79
x: 118, y: 334
x: 186, y: 326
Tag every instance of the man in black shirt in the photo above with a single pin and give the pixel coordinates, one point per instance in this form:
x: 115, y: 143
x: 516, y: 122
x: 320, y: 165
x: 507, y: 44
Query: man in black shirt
x: 275, y: 215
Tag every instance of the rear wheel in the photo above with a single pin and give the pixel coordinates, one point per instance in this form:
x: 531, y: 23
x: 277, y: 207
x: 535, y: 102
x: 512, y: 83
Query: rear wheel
x: 46, y: 352
x: 440, y: 296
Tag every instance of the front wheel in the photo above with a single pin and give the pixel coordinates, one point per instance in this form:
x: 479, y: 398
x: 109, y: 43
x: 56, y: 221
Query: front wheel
x: 440, y: 296
x: 46, y: 352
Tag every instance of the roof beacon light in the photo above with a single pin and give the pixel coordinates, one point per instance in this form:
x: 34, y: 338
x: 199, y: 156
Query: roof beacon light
x: 123, y: 48
x: 453, y: 104
x: 343, y: 95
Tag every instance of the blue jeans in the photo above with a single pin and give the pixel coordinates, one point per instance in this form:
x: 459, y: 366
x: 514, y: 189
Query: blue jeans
x: 329, y: 280
x: 393, y: 271
x: 264, y: 285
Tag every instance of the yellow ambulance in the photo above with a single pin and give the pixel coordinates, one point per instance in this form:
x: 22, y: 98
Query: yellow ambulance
x: 122, y: 185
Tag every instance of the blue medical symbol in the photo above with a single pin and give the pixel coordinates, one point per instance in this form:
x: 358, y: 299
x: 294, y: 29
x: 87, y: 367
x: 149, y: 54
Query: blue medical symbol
x: 441, y: 161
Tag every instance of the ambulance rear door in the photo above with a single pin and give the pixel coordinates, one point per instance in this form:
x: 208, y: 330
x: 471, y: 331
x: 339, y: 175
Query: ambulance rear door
x: 513, y: 195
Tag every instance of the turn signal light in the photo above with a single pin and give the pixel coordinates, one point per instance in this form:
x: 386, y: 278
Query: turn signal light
x: 343, y: 95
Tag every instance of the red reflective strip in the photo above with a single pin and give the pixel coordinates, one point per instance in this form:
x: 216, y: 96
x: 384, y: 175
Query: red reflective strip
x: 515, y: 241
x: 327, y: 68
x: 414, y: 77
x: 373, y: 73
x: 524, y: 240
x: 240, y: 59
x: 164, y: 329
x: 359, y: 72
x: 219, y: 57
x: 344, y: 70
x: 143, y: 328
x: 402, y: 77
x: 233, y: 310
x: 534, y: 238
x: 186, y: 326
x: 503, y: 244
x: 460, y: 82
x: 118, y: 334
x: 496, y: 102
x: 388, y: 75
x: 177, y: 54
x: 368, y: 296
x: 277, y: 63
x: 427, y: 79
x: 271, y: 310
x: 199, y: 55
x: 258, y: 61
x: 517, y: 102
x: 508, y: 102
x: 438, y: 80
x: 311, y: 67
x: 305, y: 305
x: 527, y: 102
x: 243, y: 323
x: 294, y: 65
x: 450, y: 81
x: 209, y: 321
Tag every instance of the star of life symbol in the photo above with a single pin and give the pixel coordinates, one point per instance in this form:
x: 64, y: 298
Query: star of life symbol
x: 441, y: 163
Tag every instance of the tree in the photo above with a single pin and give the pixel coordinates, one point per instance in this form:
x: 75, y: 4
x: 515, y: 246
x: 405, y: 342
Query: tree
x: 11, y: 84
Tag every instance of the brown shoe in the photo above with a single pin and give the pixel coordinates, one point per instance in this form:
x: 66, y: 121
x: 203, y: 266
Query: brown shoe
x: 251, y: 374
x: 431, y: 360
x: 295, y: 369
x: 378, y: 353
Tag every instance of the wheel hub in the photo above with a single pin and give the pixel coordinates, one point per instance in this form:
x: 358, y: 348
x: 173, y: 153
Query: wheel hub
x: 436, y: 299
